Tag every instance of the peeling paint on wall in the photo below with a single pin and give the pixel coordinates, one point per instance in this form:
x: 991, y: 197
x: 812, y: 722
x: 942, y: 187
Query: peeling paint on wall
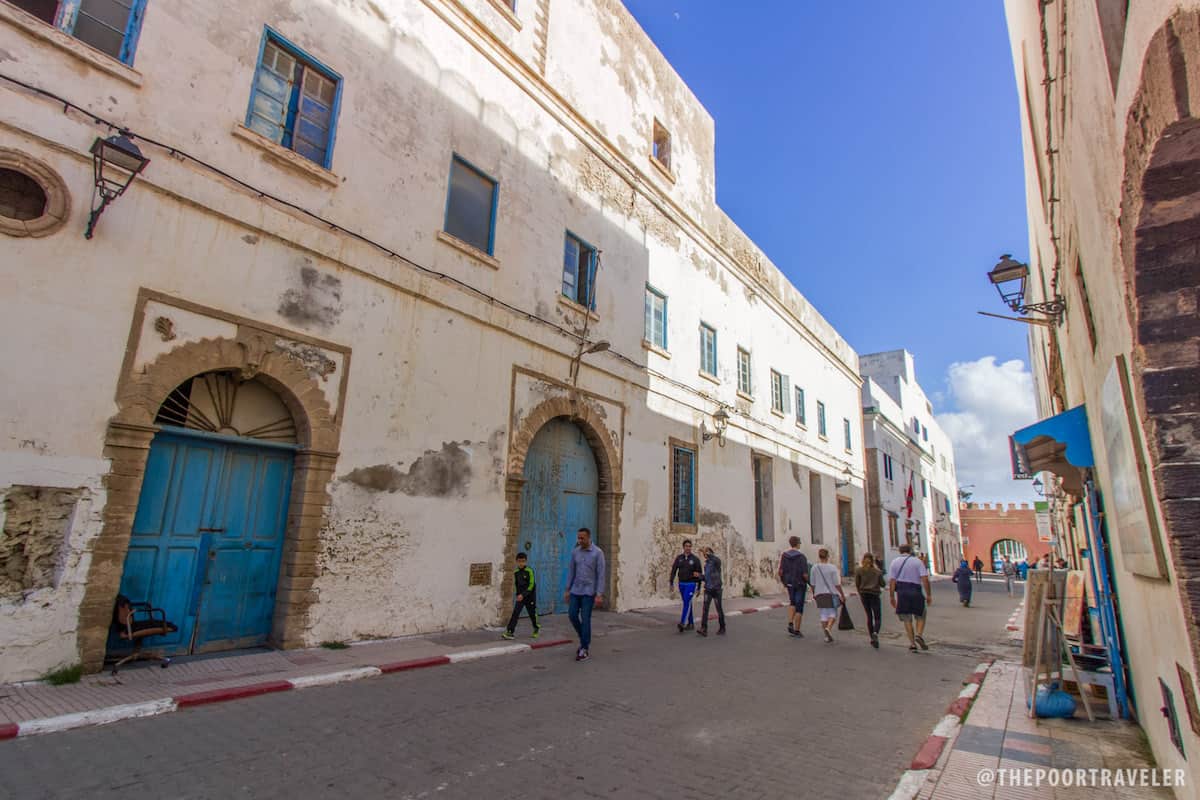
x: 437, y: 473
x: 316, y: 301
x: 36, y: 520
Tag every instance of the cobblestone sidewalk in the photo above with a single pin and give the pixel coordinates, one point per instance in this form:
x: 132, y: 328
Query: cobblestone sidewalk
x: 998, y: 739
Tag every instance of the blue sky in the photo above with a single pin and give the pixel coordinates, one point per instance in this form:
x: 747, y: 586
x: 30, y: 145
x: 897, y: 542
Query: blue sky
x: 873, y: 151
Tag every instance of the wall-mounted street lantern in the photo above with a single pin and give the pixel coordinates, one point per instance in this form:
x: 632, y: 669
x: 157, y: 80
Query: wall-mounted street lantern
x: 584, y: 349
x: 1039, y: 487
x: 1010, y: 278
x: 116, y: 161
x: 847, y: 475
x: 720, y: 425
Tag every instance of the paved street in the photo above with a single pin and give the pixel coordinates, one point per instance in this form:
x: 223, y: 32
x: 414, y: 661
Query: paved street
x: 653, y: 714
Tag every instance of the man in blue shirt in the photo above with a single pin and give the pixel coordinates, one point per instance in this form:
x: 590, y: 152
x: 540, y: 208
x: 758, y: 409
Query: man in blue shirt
x: 585, y: 589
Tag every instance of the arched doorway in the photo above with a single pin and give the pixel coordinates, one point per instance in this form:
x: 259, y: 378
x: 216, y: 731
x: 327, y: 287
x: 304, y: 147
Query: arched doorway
x: 208, y: 532
x: 1007, y: 547
x: 559, y: 497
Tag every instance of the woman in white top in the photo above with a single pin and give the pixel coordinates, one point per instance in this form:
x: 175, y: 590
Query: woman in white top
x: 827, y: 591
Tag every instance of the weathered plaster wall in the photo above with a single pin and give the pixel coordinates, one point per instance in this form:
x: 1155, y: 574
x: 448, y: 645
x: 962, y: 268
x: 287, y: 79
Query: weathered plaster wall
x: 429, y: 407
x: 1090, y: 172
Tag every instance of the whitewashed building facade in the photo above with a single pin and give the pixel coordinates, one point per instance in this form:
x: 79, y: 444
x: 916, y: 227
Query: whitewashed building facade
x: 320, y: 372
x: 907, y: 455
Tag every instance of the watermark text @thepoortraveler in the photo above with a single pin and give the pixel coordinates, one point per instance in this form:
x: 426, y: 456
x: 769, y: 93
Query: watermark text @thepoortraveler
x: 1031, y: 777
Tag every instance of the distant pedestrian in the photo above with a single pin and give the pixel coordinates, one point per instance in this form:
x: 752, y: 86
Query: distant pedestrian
x: 691, y: 573
x: 585, y: 589
x: 793, y: 573
x: 1045, y: 562
x: 827, y: 592
x: 868, y: 581
x: 978, y: 567
x: 1061, y: 564
x: 524, y: 597
x: 907, y: 576
x: 1023, y: 570
x: 712, y: 592
x: 962, y: 577
x: 1010, y: 574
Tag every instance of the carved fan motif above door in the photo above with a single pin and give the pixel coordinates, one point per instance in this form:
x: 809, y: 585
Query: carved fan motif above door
x: 220, y: 402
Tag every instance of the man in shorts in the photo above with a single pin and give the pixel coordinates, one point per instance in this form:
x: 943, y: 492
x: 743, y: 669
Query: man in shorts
x: 793, y: 573
x: 910, y: 593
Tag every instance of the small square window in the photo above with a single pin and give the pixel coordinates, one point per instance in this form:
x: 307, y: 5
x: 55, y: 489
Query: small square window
x: 656, y: 318
x: 110, y: 26
x: 745, y: 386
x: 821, y: 420
x: 708, y: 349
x: 471, y: 206
x: 662, y: 146
x: 579, y: 271
x: 294, y: 100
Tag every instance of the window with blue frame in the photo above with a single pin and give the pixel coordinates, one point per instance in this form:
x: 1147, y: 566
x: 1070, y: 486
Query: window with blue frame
x: 471, y: 206
x: 708, y: 350
x: 821, y: 420
x: 683, y: 485
x: 579, y: 271
x: 947, y: 499
x: 656, y: 318
x: 294, y: 101
x: 110, y: 26
x: 781, y: 393
x: 745, y: 382
x: 846, y: 430
x: 801, y: 414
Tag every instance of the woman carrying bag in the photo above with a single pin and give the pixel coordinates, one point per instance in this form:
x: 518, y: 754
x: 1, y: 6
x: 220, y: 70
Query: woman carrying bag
x: 827, y: 591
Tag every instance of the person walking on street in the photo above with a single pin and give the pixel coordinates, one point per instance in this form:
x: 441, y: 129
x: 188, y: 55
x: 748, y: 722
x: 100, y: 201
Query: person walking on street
x: 827, y: 592
x: 978, y: 567
x: 712, y: 592
x: 1010, y: 574
x: 585, y: 589
x: 793, y: 573
x: 868, y: 582
x: 962, y: 576
x: 907, y: 576
x: 524, y: 597
x: 690, y: 572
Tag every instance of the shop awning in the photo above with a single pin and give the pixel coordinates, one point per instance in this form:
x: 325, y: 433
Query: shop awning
x: 1059, y: 444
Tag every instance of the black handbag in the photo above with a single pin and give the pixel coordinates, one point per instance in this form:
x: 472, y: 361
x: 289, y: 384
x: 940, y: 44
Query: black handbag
x: 844, y: 621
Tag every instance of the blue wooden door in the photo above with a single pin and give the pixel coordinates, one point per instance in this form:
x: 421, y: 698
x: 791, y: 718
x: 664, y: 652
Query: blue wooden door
x: 207, y: 537
x: 559, y: 498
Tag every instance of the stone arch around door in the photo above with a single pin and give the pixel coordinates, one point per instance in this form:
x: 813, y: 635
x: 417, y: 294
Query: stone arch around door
x: 127, y: 444
x: 608, y: 500
x: 1160, y: 249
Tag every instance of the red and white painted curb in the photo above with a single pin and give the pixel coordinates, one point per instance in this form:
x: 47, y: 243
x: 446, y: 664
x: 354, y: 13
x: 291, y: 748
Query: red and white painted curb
x: 945, y: 731
x: 166, y: 705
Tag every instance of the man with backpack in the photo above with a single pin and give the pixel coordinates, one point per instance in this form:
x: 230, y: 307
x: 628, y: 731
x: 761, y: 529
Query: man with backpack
x: 793, y: 573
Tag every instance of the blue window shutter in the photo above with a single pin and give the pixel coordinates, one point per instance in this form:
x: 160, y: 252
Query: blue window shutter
x: 570, y: 276
x: 68, y: 12
x: 787, y: 395
x: 132, y: 31
x: 313, y: 116
x: 648, y: 335
x: 272, y: 95
x: 593, y: 258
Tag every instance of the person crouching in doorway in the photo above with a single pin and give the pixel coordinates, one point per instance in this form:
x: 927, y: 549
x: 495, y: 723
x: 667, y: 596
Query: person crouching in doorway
x: 712, y: 592
x: 827, y: 592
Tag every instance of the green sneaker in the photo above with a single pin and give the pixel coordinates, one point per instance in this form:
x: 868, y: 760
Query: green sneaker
x: 506, y: 635
x: 535, y: 633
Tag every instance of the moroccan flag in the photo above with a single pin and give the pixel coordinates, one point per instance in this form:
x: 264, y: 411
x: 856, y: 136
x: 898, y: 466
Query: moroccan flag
x: 908, y: 497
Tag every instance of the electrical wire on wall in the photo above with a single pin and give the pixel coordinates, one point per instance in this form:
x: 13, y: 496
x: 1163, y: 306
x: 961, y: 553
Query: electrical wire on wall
x: 578, y: 338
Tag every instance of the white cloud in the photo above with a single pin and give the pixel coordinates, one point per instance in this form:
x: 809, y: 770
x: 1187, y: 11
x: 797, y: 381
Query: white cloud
x: 991, y: 401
